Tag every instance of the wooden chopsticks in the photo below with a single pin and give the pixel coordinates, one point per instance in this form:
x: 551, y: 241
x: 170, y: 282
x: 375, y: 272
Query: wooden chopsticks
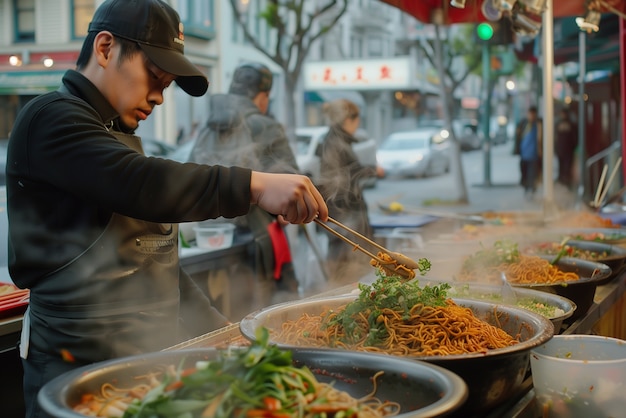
x: 395, y: 259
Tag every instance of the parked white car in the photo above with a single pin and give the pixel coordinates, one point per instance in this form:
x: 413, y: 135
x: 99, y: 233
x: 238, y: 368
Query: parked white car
x: 307, y: 151
x: 416, y: 153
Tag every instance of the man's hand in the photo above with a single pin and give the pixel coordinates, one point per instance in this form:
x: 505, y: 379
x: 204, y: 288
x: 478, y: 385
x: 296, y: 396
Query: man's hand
x: 291, y: 195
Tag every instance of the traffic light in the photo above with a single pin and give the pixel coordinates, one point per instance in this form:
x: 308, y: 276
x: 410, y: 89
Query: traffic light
x: 484, y: 31
x: 495, y: 33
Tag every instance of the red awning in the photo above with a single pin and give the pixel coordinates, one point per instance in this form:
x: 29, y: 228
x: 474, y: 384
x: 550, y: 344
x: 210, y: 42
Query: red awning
x: 422, y: 10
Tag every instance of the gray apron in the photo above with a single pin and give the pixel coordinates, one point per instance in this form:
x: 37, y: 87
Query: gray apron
x: 119, y: 297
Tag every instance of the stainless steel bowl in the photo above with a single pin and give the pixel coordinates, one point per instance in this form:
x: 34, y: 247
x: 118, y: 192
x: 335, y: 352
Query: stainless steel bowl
x: 492, y: 293
x: 581, y: 291
x: 492, y: 377
x: 422, y: 389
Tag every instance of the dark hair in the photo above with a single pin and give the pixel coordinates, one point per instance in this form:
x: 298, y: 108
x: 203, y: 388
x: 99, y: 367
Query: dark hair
x: 532, y: 109
x: 128, y: 49
x: 250, y: 79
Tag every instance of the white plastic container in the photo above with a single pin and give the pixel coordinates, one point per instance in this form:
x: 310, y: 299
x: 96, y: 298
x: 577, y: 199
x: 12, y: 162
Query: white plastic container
x: 580, y: 376
x: 214, y: 236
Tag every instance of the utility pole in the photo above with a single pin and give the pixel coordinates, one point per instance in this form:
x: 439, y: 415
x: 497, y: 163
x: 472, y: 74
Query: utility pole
x: 485, y: 31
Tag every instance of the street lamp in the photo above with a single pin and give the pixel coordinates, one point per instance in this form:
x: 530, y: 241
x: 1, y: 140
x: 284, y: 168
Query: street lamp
x: 47, y: 62
x: 15, y: 61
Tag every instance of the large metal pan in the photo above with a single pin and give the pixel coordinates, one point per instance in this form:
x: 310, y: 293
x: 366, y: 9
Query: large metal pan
x: 581, y: 291
x: 615, y: 255
x: 422, y: 389
x: 492, y: 377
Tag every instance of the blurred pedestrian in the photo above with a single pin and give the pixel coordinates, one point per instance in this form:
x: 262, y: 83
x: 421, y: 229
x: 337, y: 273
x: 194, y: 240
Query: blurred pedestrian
x: 341, y: 178
x: 93, y: 223
x: 565, y: 145
x: 239, y: 132
x: 528, y: 145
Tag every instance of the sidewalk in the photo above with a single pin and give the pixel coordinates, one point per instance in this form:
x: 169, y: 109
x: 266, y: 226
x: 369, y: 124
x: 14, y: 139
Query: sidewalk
x: 502, y: 193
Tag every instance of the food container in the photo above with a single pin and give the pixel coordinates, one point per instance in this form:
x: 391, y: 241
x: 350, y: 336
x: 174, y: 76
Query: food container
x: 580, y: 376
x: 581, y: 291
x: 492, y: 377
x: 615, y: 256
x: 614, y: 236
x: 421, y: 389
x: 214, y: 236
x: 563, y: 308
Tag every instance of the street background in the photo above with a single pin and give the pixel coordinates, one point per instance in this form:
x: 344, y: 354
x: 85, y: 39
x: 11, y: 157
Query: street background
x: 436, y: 195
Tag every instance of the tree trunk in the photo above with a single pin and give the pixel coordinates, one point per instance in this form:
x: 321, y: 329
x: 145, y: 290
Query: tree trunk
x: 291, y: 102
x: 456, y: 168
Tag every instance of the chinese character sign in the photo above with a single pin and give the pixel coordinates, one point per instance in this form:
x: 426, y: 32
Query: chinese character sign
x: 378, y: 74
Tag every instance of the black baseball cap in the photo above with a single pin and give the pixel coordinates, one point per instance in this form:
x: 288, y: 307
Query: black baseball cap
x: 158, y: 31
x: 251, y: 78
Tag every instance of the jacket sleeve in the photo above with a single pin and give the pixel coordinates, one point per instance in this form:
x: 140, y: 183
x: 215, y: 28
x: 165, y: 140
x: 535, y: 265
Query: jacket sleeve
x: 68, y: 147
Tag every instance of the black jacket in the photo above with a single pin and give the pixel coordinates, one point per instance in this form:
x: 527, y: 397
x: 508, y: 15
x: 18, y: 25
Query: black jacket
x: 67, y: 175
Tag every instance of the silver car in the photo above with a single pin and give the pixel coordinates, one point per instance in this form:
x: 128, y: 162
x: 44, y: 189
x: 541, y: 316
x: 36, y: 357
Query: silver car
x: 308, y: 148
x: 417, y: 153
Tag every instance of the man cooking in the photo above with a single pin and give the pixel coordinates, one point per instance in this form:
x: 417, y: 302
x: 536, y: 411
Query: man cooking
x: 92, y: 221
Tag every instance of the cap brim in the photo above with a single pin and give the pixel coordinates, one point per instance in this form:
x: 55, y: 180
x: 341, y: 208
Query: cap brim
x: 188, y: 76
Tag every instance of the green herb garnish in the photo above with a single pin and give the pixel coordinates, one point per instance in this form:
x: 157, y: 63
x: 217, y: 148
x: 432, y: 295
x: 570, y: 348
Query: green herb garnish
x: 501, y: 252
x: 387, y: 292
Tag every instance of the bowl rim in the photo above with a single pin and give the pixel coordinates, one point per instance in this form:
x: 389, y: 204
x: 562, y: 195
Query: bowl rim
x: 544, y: 326
x: 454, y: 396
x: 620, y: 252
x: 523, y: 292
x: 580, y: 337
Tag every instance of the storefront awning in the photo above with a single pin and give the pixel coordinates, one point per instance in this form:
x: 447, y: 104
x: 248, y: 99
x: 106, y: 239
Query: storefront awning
x: 322, y: 96
x: 29, y: 82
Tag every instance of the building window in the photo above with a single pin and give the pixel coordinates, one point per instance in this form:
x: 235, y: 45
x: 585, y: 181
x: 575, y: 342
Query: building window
x: 375, y: 46
x: 82, y: 12
x: 356, y: 47
x: 24, y: 20
x: 197, y: 16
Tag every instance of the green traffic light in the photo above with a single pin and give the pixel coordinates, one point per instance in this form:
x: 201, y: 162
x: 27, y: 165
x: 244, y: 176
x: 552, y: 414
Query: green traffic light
x: 484, y: 31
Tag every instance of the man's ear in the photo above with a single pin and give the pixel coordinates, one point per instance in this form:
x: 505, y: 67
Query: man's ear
x: 102, y: 47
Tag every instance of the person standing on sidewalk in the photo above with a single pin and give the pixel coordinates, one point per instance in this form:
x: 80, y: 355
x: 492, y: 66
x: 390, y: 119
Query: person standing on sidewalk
x: 341, y: 181
x: 528, y: 145
x: 239, y: 132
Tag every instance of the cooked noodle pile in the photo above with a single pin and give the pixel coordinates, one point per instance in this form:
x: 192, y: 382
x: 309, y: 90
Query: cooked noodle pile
x: 487, y: 265
x: 425, y: 331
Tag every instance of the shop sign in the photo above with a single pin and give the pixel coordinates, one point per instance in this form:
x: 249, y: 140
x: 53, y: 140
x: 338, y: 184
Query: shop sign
x: 367, y: 74
x: 32, y: 82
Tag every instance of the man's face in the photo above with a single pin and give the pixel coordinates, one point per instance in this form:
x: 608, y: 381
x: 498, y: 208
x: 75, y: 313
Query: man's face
x: 532, y: 116
x: 134, y: 86
x: 262, y: 101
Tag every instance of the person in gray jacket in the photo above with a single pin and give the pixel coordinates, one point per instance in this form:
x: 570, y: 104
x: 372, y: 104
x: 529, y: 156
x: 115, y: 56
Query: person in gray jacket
x: 239, y: 132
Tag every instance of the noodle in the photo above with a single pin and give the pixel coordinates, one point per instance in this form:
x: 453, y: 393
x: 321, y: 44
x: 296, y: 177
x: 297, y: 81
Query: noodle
x: 504, y: 258
x: 267, y: 388
x: 528, y: 269
x: 117, y: 400
x: 425, y: 331
x: 392, y: 267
